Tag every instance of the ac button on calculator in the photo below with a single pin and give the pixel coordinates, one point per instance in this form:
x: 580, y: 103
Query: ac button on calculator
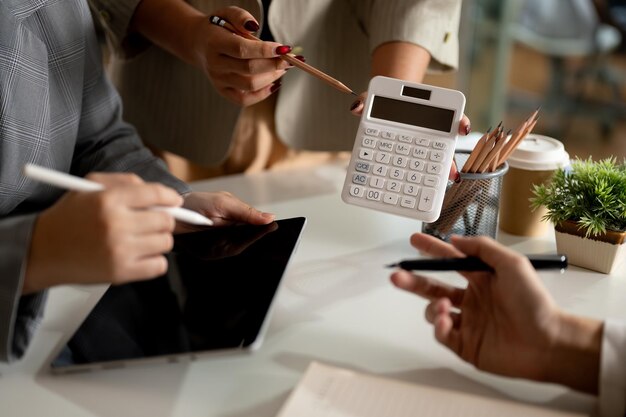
x: 404, y: 148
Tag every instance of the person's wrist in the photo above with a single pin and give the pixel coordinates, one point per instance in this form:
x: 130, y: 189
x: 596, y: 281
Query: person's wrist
x: 38, y: 265
x: 192, y: 40
x: 574, y: 358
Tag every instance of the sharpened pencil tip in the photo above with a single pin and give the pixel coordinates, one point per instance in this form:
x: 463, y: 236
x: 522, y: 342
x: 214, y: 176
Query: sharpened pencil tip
x: 391, y: 266
x: 354, y: 94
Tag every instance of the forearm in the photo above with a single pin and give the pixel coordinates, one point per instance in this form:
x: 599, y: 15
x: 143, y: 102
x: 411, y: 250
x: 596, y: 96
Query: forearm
x: 575, y: 359
x: 403, y: 60
x: 169, y: 24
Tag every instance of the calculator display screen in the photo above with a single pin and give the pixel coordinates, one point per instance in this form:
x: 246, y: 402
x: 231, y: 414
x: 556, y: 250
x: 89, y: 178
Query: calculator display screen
x: 414, y: 114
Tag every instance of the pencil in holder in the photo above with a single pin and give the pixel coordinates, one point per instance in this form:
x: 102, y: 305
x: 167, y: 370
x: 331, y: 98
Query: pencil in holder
x: 470, y: 207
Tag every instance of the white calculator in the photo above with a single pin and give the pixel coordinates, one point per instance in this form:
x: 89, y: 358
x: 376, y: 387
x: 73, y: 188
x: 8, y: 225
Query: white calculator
x: 404, y: 148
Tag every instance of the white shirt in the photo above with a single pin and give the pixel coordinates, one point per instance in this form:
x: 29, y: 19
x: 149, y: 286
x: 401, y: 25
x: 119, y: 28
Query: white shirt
x: 612, y: 390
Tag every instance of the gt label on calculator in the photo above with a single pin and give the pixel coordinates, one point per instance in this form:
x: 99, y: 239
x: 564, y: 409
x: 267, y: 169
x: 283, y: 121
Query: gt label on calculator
x: 404, y: 148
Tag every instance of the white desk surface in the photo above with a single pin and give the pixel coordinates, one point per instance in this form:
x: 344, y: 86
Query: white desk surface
x: 336, y: 305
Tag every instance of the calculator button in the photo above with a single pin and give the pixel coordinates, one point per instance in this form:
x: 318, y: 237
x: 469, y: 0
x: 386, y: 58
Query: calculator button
x: 359, y: 179
x: 420, y: 152
x: 433, y: 168
x: 380, y: 170
x: 400, y: 161
x: 422, y: 142
x: 408, y: 202
x: 369, y: 142
x: 371, y: 131
x: 406, y: 138
x: 417, y: 165
x: 377, y: 182
x: 357, y: 191
x: 366, y: 154
x: 362, y: 166
x: 383, y: 158
x: 394, y: 186
x: 440, y: 145
x: 411, y: 189
x: 437, y: 156
x: 391, y: 199
x: 397, y: 174
x: 374, y: 195
x: 387, y: 135
x: 403, y: 149
x: 431, y: 181
x: 414, y: 177
x: 385, y: 145
x: 426, y: 199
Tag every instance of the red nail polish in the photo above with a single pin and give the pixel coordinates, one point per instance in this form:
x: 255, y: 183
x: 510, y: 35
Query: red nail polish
x: 251, y: 26
x: 283, y: 49
x: 468, y: 129
x: 275, y: 86
x: 300, y: 58
x: 457, y: 177
x: 355, y: 105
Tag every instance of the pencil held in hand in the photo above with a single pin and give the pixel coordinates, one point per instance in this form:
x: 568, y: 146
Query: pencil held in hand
x: 290, y: 58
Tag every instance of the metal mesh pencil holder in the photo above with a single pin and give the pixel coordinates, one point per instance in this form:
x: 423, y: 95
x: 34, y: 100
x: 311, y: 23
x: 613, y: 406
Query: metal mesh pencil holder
x: 470, y: 207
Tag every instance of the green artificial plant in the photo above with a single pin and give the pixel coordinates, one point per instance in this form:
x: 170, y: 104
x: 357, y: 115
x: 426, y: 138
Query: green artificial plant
x: 592, y: 194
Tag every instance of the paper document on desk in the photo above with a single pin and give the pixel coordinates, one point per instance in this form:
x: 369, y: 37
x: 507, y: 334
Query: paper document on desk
x: 327, y: 391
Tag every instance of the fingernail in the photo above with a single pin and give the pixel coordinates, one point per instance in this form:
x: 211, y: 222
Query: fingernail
x: 251, y: 26
x: 468, y: 129
x: 300, y: 58
x: 283, y: 49
x: 275, y: 86
x: 355, y: 105
x: 457, y: 177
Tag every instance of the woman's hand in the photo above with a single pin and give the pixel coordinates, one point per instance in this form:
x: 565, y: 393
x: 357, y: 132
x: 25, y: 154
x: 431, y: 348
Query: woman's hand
x: 242, y: 70
x: 224, y: 209
x: 107, y: 236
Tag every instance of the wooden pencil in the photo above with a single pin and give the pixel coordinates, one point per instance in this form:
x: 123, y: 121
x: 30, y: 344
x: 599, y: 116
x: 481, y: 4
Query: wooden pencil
x: 489, y: 144
x: 478, y: 148
x: 495, y: 151
x: 518, y: 136
x: 529, y: 128
x: 290, y: 58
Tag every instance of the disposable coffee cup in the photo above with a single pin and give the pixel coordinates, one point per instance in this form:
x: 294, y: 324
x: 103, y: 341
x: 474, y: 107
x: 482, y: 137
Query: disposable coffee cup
x: 532, y: 163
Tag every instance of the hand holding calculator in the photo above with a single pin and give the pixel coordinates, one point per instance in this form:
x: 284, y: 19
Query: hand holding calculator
x: 404, y: 148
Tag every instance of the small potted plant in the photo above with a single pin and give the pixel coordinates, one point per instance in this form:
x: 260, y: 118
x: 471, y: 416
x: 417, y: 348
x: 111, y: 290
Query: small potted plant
x: 586, y: 202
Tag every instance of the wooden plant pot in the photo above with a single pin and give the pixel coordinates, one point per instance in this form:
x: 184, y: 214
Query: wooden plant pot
x: 599, y: 253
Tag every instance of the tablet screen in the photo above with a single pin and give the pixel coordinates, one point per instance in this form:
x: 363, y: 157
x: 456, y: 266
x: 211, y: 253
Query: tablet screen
x: 215, y: 296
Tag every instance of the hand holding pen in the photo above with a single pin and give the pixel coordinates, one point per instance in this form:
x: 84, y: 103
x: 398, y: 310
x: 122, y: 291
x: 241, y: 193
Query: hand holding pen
x: 220, y: 20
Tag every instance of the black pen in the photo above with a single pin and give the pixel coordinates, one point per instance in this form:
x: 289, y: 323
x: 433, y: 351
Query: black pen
x: 553, y: 261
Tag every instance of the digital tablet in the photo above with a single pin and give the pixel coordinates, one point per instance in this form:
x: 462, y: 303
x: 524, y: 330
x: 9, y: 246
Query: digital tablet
x: 215, y: 298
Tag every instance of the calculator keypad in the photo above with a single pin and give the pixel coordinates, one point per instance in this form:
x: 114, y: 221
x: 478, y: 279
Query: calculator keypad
x: 398, y: 169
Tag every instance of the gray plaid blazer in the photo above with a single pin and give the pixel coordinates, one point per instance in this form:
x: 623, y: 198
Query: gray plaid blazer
x: 57, y: 110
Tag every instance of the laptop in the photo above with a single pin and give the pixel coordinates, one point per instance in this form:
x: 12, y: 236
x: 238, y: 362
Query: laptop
x: 216, y: 298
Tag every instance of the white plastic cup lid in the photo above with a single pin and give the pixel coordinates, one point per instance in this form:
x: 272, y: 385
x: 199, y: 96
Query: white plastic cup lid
x: 539, y: 153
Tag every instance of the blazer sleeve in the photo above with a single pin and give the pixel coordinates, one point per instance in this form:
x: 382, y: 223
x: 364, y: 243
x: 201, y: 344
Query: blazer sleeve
x: 114, y: 17
x: 106, y: 143
x: 431, y: 24
x: 19, y: 315
x: 612, y: 390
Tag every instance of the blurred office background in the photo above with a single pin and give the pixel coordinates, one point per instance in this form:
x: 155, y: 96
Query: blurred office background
x: 569, y: 56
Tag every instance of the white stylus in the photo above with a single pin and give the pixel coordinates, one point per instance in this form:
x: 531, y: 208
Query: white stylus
x: 70, y: 182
